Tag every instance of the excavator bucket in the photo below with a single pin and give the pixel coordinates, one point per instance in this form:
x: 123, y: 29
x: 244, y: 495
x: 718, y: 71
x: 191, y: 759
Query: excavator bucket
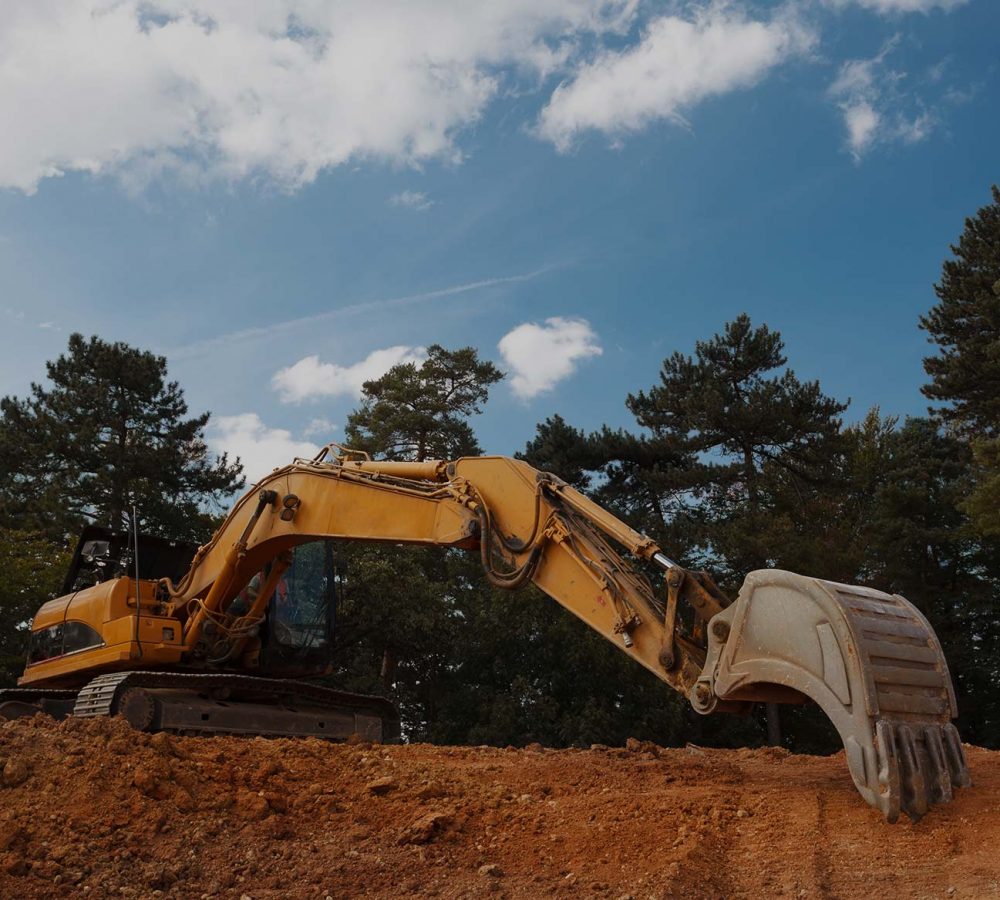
x: 870, y: 661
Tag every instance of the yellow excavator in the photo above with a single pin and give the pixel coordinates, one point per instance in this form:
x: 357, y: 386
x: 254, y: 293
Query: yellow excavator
x: 228, y: 637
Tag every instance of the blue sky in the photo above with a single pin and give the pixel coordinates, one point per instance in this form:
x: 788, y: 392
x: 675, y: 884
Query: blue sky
x: 286, y: 200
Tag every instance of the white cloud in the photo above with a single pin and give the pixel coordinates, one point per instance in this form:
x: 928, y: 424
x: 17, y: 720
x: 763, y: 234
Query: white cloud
x: 309, y: 378
x: 540, y: 356
x: 260, y: 448
x: 412, y: 200
x: 875, y: 106
x: 857, y: 76
x: 910, y: 131
x: 274, y: 91
x: 862, y: 123
x: 277, y: 92
x: 901, y: 6
x: 319, y: 427
x: 677, y: 63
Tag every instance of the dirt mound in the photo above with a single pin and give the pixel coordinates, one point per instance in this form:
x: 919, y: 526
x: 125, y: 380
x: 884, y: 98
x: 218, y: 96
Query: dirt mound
x: 90, y: 807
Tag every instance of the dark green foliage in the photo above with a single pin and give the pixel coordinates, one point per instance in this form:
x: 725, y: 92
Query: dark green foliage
x: 965, y: 374
x: 878, y: 504
x: 563, y: 450
x: 918, y: 543
x: 404, y: 604
x: 965, y: 325
x: 467, y: 662
x: 758, y: 442
x: 421, y: 412
x: 983, y: 503
x: 396, y: 628
x: 948, y: 487
x: 109, y: 431
x: 526, y: 670
x: 33, y: 568
x: 738, y: 466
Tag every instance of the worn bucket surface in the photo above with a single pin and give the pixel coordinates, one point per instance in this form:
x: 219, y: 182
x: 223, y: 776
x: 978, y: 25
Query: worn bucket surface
x: 872, y: 663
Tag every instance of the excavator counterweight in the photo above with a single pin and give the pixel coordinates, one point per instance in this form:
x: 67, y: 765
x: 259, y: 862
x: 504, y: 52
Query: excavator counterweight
x: 226, y: 641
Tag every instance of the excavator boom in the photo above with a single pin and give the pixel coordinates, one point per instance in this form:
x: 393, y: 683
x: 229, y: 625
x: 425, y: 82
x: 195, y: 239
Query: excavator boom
x: 869, y: 660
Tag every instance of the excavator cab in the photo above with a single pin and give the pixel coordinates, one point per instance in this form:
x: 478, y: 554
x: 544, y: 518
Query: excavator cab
x: 299, y: 625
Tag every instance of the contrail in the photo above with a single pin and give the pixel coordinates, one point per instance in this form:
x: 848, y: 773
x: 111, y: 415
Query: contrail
x: 367, y: 306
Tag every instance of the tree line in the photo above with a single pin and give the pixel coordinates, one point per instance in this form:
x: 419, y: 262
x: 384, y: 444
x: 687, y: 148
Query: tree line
x: 734, y: 463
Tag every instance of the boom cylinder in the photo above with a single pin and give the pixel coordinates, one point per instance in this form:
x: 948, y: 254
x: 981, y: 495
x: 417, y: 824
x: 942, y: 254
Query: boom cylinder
x: 430, y: 470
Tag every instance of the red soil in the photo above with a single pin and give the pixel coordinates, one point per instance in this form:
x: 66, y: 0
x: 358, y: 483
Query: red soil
x: 92, y: 808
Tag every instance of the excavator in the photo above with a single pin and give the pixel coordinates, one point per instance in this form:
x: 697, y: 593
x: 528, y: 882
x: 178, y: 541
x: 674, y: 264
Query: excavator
x: 229, y: 637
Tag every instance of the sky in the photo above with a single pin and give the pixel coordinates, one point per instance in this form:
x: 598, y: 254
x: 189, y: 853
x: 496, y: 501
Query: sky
x: 286, y: 198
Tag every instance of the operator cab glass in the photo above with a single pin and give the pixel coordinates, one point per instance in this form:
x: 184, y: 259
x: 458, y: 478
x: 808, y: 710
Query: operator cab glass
x: 301, y: 614
x: 58, y: 640
x: 298, y: 611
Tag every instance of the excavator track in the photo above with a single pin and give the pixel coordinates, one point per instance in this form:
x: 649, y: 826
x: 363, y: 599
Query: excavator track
x: 194, y: 703
x: 18, y: 702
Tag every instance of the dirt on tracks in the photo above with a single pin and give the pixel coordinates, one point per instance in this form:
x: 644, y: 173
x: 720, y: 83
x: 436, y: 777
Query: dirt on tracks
x: 92, y: 808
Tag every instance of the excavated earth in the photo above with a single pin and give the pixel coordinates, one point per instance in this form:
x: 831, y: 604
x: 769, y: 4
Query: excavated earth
x: 92, y: 808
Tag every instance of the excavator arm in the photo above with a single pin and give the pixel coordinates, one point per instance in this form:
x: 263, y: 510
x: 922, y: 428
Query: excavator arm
x: 869, y: 660
x: 527, y: 526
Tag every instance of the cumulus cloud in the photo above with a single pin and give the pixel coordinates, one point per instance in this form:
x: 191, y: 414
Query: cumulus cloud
x: 901, y: 6
x: 540, y: 356
x: 875, y: 106
x: 309, y: 378
x: 275, y: 91
x: 677, y: 63
x: 417, y: 200
x: 260, y: 448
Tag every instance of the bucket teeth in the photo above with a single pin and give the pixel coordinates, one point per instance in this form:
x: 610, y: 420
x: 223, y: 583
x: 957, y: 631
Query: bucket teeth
x: 921, y: 765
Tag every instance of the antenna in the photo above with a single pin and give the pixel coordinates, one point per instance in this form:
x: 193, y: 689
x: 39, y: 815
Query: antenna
x: 135, y: 559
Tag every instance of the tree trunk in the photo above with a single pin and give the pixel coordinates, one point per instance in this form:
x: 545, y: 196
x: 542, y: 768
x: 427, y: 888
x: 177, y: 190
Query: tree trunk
x: 750, y: 471
x: 388, y: 672
x: 773, y: 725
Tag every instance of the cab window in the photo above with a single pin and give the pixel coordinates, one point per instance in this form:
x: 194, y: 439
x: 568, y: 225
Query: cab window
x: 46, y: 643
x: 66, y: 637
x: 79, y: 636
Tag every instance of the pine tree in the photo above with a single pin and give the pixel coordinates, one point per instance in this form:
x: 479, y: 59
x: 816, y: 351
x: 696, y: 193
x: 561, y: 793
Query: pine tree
x: 108, y: 432
x: 965, y: 375
x: 524, y: 669
x: 965, y: 325
x: 564, y: 451
x: 917, y: 543
x: 736, y: 467
x: 983, y: 502
x: 399, y: 627
x: 762, y: 439
x: 420, y: 412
